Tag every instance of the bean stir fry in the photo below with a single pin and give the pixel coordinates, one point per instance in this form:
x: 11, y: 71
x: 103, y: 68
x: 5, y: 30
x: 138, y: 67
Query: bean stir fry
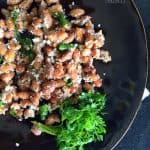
x: 46, y: 58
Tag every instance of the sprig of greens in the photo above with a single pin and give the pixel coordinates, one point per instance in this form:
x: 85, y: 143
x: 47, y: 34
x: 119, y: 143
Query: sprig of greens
x: 61, y: 18
x: 44, y: 110
x: 81, y: 123
x: 65, y: 46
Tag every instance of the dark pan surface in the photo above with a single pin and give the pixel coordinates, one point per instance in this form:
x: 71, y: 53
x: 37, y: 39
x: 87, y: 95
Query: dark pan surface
x: 124, y: 81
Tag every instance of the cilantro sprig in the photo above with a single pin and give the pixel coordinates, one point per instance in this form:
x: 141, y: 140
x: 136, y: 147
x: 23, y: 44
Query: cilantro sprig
x: 61, y: 18
x: 81, y: 123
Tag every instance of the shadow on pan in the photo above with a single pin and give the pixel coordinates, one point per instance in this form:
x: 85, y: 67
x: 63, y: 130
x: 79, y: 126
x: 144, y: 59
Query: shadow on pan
x: 123, y: 79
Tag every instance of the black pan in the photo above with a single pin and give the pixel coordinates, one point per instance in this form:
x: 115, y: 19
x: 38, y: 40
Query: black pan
x: 124, y: 78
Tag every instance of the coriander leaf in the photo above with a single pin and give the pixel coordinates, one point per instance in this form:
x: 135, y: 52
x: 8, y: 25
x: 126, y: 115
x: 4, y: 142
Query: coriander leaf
x: 44, y: 110
x: 69, y: 83
x: 26, y: 46
x: 65, y: 46
x: 13, y: 113
x: 15, y: 14
x: 25, y: 42
x: 1, y: 103
x: 1, y: 60
x: 61, y: 18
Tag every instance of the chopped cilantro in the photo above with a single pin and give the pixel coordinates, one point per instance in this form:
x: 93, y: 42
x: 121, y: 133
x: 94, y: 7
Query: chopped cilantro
x: 61, y: 18
x: 65, y: 46
x: 44, y: 110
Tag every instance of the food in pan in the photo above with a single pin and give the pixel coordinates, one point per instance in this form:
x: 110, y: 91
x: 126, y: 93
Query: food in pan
x: 47, y: 73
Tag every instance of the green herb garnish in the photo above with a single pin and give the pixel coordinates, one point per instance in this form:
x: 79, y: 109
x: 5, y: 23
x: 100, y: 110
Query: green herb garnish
x: 13, y: 113
x: 61, y: 18
x: 1, y: 104
x: 65, y: 46
x: 69, y: 83
x: 44, y: 110
x: 81, y: 123
x: 26, y: 43
x: 15, y: 14
x: 1, y: 59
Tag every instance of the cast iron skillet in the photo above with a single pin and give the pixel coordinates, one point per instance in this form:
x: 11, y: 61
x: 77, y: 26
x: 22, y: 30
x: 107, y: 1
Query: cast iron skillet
x: 124, y: 78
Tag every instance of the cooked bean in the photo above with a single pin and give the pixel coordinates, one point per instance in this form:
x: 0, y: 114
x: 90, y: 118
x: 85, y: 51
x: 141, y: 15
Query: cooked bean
x: 29, y: 113
x: 48, y: 71
x: 24, y: 81
x: 35, y: 130
x: 59, y: 71
x: 2, y: 24
x: 76, y: 55
x: 89, y: 69
x: 79, y: 34
x: 65, y: 57
x: 98, y: 83
x: 20, y: 68
x: 36, y: 32
x: 99, y: 39
x: 89, y: 41
x: 15, y: 106
x: 81, y: 21
x: 13, y: 2
x: 6, y: 68
x: 10, y: 55
x: 14, y: 46
x: 52, y: 119
x: 9, y: 97
x: 3, y: 110
x: 24, y: 103
x: 86, y: 52
x: 88, y: 87
x: 2, y: 85
x: 35, y: 98
x: 6, y: 77
x: 10, y: 25
x: 49, y: 2
x: 47, y: 19
x: 104, y: 56
x: 57, y: 36
x: 35, y: 86
x: 23, y: 95
x: 19, y: 113
x: 25, y: 4
x: 77, y: 12
x: 56, y: 8
x: 49, y: 51
x: 3, y: 49
x: 47, y: 88
x: 37, y: 23
x: 60, y: 83
x: 70, y: 38
x: 9, y: 34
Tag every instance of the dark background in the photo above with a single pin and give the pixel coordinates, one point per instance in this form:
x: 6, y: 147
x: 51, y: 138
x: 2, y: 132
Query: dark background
x: 138, y: 137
